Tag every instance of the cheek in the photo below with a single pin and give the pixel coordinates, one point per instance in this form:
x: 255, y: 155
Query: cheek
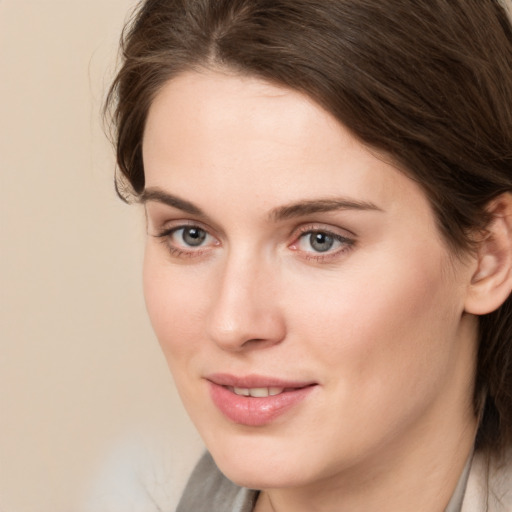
x: 384, y: 344
x: 173, y: 302
x: 396, y: 323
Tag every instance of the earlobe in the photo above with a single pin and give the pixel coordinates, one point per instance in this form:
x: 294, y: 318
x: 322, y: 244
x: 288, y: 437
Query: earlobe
x: 491, y: 282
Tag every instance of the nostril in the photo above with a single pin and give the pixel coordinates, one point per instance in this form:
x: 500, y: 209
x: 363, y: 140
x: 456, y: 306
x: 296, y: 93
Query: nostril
x: 254, y: 340
x: 258, y: 343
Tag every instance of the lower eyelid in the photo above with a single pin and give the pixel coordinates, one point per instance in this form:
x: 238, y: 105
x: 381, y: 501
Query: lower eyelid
x: 178, y: 252
x: 328, y: 256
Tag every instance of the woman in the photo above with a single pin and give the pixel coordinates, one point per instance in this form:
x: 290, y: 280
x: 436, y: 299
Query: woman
x: 329, y: 253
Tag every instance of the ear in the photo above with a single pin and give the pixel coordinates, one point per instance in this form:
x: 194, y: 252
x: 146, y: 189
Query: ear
x: 491, y: 282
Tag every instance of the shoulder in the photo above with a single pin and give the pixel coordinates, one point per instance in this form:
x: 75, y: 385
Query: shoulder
x: 489, y: 487
x: 208, y: 490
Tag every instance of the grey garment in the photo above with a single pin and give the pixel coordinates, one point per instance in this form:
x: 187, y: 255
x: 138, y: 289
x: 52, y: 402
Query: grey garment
x: 489, y: 487
x: 457, y: 499
x: 208, y: 490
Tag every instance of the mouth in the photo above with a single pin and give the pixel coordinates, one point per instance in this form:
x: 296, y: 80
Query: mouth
x: 256, y: 401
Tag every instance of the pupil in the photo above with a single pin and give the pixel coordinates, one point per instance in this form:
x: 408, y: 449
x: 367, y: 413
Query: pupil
x: 321, y: 242
x: 194, y: 236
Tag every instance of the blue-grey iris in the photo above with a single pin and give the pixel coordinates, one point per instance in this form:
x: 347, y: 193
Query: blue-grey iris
x: 193, y: 236
x: 321, y: 242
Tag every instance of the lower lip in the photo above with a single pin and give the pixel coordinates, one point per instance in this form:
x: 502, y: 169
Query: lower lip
x: 255, y: 411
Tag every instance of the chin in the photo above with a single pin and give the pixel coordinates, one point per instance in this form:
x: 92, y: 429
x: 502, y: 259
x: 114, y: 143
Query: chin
x: 262, y: 477
x: 263, y: 464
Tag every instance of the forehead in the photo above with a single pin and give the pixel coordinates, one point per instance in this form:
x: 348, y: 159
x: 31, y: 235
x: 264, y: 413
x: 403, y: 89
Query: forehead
x: 213, y: 135
x: 212, y: 108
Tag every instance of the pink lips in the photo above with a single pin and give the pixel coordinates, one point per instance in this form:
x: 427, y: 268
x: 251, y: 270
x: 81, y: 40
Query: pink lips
x: 255, y: 411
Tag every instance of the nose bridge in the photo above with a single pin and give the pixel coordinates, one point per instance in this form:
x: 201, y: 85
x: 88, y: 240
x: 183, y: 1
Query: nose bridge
x: 245, y: 306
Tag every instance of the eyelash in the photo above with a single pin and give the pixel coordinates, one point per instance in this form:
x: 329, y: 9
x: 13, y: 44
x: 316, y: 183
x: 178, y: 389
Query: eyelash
x: 346, y: 243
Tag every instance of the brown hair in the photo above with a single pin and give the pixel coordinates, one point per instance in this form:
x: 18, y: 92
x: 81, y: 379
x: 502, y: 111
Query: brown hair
x: 428, y: 83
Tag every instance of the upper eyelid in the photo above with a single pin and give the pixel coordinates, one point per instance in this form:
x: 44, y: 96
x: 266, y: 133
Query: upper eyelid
x: 159, y: 219
x: 337, y: 236
x: 172, y: 225
x: 332, y: 234
x: 325, y: 228
x: 169, y: 231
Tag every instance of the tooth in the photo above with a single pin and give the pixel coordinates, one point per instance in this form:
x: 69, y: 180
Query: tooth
x: 258, y: 392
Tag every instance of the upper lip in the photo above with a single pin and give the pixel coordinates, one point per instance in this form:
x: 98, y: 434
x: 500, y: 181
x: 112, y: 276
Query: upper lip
x: 255, y: 381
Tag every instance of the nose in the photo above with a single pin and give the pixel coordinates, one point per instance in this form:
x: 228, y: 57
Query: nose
x: 245, y: 312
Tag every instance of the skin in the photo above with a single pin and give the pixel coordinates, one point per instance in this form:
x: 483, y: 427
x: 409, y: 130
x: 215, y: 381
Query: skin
x: 377, y: 322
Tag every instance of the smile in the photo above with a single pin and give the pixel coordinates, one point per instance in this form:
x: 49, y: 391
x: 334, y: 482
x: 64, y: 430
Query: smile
x: 256, y: 401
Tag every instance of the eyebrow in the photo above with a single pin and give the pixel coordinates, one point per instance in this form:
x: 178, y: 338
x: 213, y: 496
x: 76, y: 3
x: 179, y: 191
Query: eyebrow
x: 308, y: 207
x: 298, y: 209
x: 159, y: 196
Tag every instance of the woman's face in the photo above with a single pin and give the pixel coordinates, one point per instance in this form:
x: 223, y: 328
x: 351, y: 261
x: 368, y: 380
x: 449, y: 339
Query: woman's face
x: 286, y: 262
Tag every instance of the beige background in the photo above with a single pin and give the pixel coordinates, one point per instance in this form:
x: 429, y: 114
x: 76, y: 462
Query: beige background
x: 87, y: 407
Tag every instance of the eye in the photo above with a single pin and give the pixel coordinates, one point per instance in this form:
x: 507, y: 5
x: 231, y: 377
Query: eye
x: 190, y: 236
x: 318, y: 241
x: 187, y: 241
x: 321, y: 244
